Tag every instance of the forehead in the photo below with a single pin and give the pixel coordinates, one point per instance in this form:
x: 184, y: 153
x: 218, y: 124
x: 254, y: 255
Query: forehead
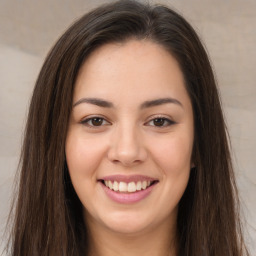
x: 129, y: 69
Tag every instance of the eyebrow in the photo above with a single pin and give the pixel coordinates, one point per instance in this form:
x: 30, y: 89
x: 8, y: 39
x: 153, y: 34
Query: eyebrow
x: 157, y: 102
x: 146, y: 104
x: 95, y: 101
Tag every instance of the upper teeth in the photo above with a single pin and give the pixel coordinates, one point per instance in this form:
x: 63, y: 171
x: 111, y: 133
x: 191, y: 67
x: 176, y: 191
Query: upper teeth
x: 127, y: 187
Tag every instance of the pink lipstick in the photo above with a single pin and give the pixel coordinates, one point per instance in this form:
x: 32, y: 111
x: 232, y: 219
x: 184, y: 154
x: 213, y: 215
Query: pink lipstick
x: 127, y: 189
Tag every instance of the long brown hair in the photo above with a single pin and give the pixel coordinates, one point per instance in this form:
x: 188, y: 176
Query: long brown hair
x: 48, y: 216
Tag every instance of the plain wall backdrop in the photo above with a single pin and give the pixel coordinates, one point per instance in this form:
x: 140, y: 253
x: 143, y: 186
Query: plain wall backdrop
x: 28, y: 29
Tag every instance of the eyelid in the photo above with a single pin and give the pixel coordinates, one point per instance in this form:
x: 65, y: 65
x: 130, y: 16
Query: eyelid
x: 168, y: 119
x: 86, y: 120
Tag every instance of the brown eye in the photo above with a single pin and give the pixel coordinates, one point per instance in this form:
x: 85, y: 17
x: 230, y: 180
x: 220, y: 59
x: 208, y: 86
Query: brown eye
x: 159, y: 121
x: 97, y: 121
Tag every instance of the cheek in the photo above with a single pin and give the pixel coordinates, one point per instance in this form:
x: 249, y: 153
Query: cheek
x: 83, y: 155
x: 174, y: 159
x: 173, y: 155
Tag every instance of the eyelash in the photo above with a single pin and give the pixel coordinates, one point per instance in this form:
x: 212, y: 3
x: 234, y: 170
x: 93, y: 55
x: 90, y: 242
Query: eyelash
x: 167, y: 121
x: 90, y: 119
x: 88, y: 122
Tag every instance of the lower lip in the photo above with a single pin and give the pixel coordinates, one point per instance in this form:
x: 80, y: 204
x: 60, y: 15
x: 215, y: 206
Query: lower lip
x: 127, y: 198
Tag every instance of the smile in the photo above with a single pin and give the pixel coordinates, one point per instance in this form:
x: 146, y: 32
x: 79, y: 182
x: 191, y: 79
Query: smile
x: 127, y: 187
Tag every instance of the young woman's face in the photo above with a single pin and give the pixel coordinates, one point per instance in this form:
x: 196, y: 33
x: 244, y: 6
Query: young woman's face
x: 130, y: 137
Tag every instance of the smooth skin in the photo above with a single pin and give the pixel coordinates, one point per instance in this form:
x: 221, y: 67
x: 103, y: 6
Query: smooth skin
x: 134, y: 132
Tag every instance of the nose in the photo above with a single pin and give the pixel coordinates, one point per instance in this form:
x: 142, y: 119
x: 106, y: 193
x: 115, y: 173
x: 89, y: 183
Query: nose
x: 127, y: 147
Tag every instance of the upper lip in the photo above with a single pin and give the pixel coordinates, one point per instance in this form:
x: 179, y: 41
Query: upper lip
x: 127, y: 178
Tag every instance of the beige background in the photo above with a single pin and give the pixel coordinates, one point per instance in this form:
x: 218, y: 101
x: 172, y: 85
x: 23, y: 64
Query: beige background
x: 28, y: 29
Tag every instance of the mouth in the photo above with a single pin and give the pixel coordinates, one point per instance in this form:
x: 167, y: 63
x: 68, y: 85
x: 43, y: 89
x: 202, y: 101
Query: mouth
x: 128, y: 187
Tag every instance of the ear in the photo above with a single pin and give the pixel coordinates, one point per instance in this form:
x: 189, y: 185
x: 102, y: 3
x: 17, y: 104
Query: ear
x: 192, y: 165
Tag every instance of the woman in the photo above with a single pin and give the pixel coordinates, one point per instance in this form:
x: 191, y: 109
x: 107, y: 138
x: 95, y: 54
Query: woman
x: 125, y: 151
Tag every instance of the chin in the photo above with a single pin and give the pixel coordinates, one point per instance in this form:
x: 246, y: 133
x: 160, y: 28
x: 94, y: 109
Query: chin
x: 127, y: 223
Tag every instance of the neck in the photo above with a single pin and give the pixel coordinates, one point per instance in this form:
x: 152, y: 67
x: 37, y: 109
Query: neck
x: 161, y: 242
